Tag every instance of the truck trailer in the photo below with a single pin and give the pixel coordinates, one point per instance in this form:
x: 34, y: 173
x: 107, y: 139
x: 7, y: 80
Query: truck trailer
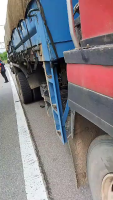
x: 61, y: 52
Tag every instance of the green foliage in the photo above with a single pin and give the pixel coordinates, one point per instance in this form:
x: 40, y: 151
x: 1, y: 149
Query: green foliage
x: 3, y: 56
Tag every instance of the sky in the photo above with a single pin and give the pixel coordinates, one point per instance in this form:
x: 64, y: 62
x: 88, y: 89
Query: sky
x: 3, y: 6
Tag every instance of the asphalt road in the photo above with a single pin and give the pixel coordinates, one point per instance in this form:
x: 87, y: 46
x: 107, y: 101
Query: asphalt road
x: 54, y: 157
x: 11, y: 172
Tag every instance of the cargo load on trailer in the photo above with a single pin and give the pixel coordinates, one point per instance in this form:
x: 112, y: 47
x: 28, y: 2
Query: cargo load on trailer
x: 15, y: 12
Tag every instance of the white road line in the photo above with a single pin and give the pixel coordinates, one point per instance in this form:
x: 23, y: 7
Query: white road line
x: 34, y: 184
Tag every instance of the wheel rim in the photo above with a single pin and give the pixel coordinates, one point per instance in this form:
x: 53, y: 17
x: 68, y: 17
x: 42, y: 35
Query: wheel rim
x: 107, y: 187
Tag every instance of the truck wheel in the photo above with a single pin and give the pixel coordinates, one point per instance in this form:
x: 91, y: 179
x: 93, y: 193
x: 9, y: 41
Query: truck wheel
x: 100, y: 168
x: 25, y: 91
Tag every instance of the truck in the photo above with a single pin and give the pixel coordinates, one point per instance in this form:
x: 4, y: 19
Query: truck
x: 62, y: 52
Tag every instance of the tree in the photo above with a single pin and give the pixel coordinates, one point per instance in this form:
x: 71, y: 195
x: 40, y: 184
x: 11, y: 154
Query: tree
x: 3, y: 56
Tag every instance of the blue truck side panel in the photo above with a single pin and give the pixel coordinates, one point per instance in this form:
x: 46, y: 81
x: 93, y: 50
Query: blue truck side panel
x: 57, y: 21
x: 32, y: 32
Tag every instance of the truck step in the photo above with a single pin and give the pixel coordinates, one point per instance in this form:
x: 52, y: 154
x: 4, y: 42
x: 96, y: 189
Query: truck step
x: 49, y: 76
x: 54, y: 107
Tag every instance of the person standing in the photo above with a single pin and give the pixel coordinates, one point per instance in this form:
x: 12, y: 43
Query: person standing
x: 3, y: 71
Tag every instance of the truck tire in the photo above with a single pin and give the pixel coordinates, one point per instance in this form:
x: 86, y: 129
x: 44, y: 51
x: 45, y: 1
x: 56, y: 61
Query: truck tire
x: 100, y: 168
x: 25, y: 91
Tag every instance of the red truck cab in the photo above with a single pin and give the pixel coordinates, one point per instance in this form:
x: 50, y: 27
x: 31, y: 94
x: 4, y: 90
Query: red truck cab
x: 90, y: 84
